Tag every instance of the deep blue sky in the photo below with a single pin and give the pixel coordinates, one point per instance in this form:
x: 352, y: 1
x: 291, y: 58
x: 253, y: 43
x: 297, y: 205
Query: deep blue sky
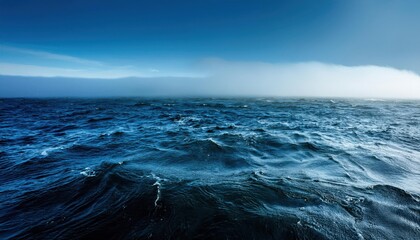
x: 157, y: 32
x: 254, y: 30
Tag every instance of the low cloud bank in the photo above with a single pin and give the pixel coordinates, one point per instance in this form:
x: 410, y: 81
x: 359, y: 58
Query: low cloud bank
x: 312, y: 79
x: 224, y: 78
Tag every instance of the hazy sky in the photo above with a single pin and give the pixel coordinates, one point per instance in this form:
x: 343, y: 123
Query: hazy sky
x: 284, y: 45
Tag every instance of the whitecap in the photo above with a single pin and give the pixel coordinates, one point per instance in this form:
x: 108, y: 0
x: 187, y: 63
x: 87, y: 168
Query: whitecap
x: 46, y: 151
x: 184, y: 120
x: 88, y: 172
x: 375, y: 100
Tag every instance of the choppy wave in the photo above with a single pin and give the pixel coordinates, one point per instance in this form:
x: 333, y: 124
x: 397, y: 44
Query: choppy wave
x: 209, y: 169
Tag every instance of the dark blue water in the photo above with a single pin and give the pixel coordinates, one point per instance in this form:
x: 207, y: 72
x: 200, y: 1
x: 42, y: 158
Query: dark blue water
x: 209, y: 169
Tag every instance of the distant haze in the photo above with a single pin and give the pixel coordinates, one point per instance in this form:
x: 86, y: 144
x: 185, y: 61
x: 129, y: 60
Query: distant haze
x: 224, y: 78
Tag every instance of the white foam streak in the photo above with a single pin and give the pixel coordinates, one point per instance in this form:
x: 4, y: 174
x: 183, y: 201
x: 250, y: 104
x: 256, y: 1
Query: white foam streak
x: 158, y: 186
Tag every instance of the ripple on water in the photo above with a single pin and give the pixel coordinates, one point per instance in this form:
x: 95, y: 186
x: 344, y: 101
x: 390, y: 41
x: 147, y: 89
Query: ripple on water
x: 209, y: 169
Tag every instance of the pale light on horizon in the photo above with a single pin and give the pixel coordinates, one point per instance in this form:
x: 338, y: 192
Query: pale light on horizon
x: 218, y: 77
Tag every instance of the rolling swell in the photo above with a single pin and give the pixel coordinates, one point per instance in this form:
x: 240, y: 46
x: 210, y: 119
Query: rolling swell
x: 209, y: 169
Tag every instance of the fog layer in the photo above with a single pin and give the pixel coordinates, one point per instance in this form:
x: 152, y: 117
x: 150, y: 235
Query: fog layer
x: 225, y: 78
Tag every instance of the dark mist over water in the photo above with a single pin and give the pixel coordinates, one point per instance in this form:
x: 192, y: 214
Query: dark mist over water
x: 209, y: 169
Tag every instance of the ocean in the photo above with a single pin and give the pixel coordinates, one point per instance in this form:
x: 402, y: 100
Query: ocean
x: 209, y: 168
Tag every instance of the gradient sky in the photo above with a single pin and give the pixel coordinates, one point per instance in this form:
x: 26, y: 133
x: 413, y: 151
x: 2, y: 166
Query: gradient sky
x: 113, y: 39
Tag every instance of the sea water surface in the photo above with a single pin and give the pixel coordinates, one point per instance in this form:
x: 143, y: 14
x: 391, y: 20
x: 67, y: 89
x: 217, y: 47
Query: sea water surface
x: 257, y: 168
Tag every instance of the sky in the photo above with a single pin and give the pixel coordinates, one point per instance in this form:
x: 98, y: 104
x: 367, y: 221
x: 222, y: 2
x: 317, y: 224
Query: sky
x: 355, y: 48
